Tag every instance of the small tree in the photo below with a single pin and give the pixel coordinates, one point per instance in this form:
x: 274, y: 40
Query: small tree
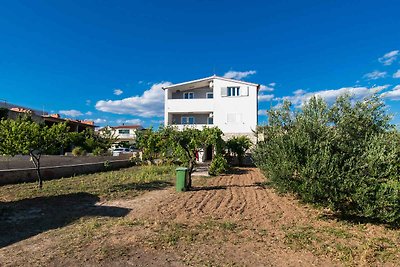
x: 190, y: 140
x: 238, y: 145
x: 24, y: 136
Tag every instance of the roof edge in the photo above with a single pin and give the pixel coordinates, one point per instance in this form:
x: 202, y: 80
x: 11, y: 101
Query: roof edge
x: 210, y: 78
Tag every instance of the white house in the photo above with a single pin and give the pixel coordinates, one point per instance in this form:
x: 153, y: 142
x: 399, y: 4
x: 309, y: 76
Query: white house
x: 123, y: 133
x: 228, y: 104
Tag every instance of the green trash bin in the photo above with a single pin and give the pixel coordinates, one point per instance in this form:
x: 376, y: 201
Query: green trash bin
x: 181, y: 176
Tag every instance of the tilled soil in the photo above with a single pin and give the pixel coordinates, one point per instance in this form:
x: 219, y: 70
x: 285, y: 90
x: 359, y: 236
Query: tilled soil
x: 230, y: 220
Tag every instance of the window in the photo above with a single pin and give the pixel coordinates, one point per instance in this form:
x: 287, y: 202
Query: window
x: 123, y: 131
x: 209, y: 95
x: 187, y: 120
x: 188, y: 95
x: 233, y: 91
x: 210, y: 120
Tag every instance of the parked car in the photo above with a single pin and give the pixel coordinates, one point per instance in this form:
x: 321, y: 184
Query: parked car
x: 121, y: 150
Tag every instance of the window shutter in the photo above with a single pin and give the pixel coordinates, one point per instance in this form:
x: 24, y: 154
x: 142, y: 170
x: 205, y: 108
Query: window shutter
x: 224, y: 91
x: 244, y: 91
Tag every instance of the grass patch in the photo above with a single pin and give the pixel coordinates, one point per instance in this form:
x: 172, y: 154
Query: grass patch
x: 106, y: 185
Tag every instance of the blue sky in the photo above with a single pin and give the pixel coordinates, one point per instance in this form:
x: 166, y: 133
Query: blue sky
x: 107, y: 60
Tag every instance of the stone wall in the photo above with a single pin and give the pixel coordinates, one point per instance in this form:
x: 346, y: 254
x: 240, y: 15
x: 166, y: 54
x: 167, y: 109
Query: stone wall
x: 56, y: 167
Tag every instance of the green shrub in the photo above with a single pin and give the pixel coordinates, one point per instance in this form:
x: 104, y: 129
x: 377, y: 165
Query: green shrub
x: 238, y: 145
x: 345, y: 156
x: 78, y: 151
x: 98, y: 151
x: 218, y: 165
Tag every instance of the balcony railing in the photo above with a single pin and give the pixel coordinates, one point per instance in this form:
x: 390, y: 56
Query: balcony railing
x: 190, y: 105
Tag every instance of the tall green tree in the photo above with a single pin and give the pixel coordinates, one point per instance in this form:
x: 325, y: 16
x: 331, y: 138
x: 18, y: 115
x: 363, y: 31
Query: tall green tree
x: 26, y: 137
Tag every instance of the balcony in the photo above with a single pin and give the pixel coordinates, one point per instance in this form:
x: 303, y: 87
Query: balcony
x: 190, y: 105
x: 180, y: 127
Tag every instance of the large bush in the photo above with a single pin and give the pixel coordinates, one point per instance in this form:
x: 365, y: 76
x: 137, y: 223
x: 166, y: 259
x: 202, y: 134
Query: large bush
x: 345, y: 156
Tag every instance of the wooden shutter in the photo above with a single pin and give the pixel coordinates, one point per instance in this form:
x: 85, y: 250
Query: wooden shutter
x: 224, y: 91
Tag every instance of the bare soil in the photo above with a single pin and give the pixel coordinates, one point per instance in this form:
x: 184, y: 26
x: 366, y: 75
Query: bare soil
x: 230, y: 220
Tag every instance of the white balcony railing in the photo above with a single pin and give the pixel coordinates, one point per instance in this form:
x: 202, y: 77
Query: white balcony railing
x: 190, y: 105
x: 195, y: 126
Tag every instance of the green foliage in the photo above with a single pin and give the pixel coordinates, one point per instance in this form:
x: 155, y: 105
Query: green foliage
x: 90, y: 140
x: 180, y: 146
x: 218, y: 165
x: 345, y: 156
x: 238, y: 146
x: 24, y: 136
x: 78, y: 151
x: 98, y: 151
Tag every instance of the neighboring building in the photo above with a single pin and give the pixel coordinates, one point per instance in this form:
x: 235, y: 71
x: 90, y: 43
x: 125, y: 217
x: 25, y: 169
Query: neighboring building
x: 123, y: 133
x: 229, y: 104
x: 13, y: 112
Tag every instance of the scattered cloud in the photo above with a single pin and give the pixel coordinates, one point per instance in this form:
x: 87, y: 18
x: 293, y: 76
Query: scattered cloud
x: 396, y: 74
x: 265, y: 88
x: 88, y: 102
x: 238, y: 75
x: 299, y: 92
x: 157, y: 121
x: 89, y: 113
x: 262, y: 97
x: 71, y: 113
x: 262, y: 112
x: 98, y: 121
x: 330, y: 95
x: 149, y: 104
x: 140, y: 82
x: 272, y: 84
x: 118, y: 92
x: 131, y: 121
x: 393, y: 94
x: 375, y: 75
x: 389, y: 58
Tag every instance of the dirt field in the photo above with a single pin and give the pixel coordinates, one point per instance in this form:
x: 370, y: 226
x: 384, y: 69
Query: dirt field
x: 230, y: 220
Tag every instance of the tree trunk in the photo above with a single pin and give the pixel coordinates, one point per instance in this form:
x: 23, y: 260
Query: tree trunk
x: 36, y: 162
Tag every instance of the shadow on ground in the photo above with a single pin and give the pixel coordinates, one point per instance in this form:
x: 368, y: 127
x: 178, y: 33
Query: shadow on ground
x: 154, y: 185
x: 25, y: 218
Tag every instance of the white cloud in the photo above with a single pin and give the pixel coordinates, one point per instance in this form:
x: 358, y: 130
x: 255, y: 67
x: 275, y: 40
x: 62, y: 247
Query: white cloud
x: 272, y: 84
x: 130, y: 121
x: 89, y: 113
x: 262, y: 112
x: 71, y: 113
x: 375, y: 75
x: 299, y: 92
x: 262, y: 97
x: 265, y: 88
x: 393, y: 94
x: 88, y: 102
x: 396, y: 74
x: 118, y: 92
x: 330, y: 95
x: 238, y: 75
x: 97, y: 121
x: 149, y: 104
x: 389, y: 58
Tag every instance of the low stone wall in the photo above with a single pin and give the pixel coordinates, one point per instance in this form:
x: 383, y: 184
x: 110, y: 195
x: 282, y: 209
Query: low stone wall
x: 18, y: 175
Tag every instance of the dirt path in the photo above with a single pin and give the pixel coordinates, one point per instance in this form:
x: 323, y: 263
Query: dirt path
x: 230, y: 220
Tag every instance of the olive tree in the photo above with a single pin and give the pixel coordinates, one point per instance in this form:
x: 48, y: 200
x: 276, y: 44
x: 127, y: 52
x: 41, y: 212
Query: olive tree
x: 26, y: 137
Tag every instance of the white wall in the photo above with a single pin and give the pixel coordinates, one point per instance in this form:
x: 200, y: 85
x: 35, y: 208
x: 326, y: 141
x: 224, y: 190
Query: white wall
x: 244, y: 107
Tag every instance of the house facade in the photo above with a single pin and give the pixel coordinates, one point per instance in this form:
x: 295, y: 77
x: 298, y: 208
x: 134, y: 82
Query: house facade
x: 123, y: 133
x: 229, y: 104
